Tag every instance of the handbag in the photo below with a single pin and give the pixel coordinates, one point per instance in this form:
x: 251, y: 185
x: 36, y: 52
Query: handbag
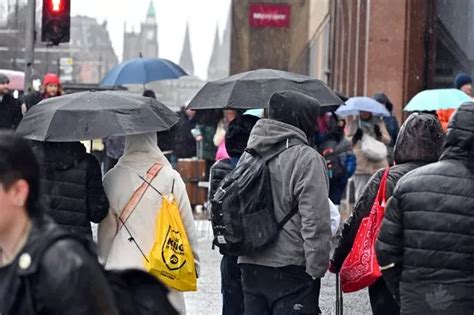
x: 372, y: 148
x: 361, y: 268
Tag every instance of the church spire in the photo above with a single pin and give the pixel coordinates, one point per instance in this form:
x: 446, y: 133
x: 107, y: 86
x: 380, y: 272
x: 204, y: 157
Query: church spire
x: 186, y: 59
x: 151, y: 10
x: 214, y: 61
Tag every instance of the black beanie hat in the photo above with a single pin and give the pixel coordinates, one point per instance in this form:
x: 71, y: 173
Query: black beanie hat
x: 238, y: 134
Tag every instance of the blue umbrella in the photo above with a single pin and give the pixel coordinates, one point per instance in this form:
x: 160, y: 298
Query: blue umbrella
x: 429, y: 100
x: 142, y: 71
x: 355, y: 105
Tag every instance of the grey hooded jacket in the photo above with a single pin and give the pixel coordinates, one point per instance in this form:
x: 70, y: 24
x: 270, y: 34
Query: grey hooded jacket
x: 299, y: 178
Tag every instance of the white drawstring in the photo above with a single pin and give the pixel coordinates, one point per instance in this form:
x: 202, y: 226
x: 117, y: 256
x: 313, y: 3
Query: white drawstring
x: 287, y: 142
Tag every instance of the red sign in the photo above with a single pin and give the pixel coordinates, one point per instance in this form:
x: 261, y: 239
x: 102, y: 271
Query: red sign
x: 269, y: 15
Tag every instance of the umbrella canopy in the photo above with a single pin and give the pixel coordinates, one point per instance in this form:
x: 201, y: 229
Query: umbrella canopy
x: 430, y: 100
x: 253, y: 89
x: 142, y: 71
x: 17, y: 79
x: 94, y: 115
x: 355, y: 105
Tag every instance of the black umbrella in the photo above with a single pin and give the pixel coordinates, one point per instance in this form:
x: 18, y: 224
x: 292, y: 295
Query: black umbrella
x: 253, y: 89
x: 94, y: 115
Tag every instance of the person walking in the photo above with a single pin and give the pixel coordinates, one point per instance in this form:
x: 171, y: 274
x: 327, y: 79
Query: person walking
x: 425, y: 244
x: 72, y: 185
x: 51, y: 87
x: 374, y: 127
x: 285, y: 277
x: 116, y: 248
x: 236, y: 139
x: 219, y: 136
x: 10, y: 111
x: 391, y: 123
x: 419, y: 143
x: 341, y: 161
x: 38, y: 273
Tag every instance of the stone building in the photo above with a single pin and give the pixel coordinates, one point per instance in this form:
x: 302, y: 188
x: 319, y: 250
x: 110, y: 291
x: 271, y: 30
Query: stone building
x: 145, y: 42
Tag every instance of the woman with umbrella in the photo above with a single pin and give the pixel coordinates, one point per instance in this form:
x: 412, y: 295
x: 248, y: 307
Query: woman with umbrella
x: 366, y: 132
x: 116, y: 247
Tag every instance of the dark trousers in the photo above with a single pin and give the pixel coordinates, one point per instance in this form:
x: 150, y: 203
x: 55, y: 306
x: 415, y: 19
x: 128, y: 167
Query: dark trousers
x: 278, y: 291
x: 231, y: 287
x: 337, y: 188
x: 381, y: 299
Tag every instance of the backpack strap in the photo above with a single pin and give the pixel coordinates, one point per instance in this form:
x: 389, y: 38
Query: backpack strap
x: 138, y: 194
x: 280, y: 147
x: 287, y: 218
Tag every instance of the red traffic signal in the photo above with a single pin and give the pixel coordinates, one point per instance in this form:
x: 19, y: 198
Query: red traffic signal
x: 56, y: 22
x: 56, y: 5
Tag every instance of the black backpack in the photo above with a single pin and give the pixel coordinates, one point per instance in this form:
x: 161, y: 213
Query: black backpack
x: 242, y: 213
x: 334, y: 165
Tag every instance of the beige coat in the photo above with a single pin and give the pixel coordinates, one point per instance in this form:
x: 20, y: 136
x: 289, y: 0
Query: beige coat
x: 116, y: 251
x: 364, y: 165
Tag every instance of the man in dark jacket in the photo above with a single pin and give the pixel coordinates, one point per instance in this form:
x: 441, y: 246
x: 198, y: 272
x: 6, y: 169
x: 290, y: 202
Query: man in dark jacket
x: 285, y: 277
x: 178, y: 142
x: 10, y: 110
x: 236, y: 139
x: 425, y: 247
x: 72, y: 185
x: 418, y: 143
x: 38, y: 276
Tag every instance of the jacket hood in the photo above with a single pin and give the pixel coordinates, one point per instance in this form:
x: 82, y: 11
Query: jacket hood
x: 268, y: 134
x: 62, y: 155
x: 296, y: 109
x: 420, y: 140
x: 142, y: 149
x: 459, y: 144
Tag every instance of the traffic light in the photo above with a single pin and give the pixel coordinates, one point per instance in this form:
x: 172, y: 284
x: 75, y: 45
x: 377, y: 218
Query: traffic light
x: 56, y: 22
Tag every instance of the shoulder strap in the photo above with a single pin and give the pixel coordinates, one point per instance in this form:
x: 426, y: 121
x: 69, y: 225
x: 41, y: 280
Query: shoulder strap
x: 138, y: 194
x: 280, y: 147
x: 287, y: 218
x: 381, y: 193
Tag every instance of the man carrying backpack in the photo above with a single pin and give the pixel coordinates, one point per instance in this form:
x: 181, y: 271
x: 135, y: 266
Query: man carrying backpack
x: 236, y: 139
x: 284, y: 277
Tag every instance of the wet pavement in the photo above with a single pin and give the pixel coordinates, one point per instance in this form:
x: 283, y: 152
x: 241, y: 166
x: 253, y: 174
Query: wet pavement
x: 207, y: 300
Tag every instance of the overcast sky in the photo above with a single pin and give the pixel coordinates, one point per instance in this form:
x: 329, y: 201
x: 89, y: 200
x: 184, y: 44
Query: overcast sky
x: 172, y: 15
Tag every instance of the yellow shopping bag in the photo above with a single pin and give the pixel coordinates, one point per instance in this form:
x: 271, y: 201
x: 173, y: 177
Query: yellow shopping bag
x: 171, y: 258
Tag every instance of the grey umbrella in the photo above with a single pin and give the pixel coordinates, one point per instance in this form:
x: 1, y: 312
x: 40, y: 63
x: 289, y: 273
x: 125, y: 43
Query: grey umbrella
x: 94, y: 115
x: 253, y: 89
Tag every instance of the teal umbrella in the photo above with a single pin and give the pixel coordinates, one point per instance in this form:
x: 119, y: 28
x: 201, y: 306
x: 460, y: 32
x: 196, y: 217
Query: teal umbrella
x: 430, y: 100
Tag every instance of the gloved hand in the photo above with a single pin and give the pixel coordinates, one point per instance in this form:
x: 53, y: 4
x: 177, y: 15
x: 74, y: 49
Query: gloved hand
x: 377, y: 131
x: 357, y: 136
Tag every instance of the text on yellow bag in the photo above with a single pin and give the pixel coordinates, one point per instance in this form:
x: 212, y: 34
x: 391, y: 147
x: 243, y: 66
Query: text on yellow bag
x: 171, y: 258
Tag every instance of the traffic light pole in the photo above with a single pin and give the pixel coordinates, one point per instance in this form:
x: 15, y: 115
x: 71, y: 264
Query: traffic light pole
x: 30, y: 42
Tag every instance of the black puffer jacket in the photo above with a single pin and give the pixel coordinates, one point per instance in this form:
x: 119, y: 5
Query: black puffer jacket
x: 426, y: 240
x: 418, y: 143
x: 219, y: 170
x: 63, y: 279
x: 72, y: 185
